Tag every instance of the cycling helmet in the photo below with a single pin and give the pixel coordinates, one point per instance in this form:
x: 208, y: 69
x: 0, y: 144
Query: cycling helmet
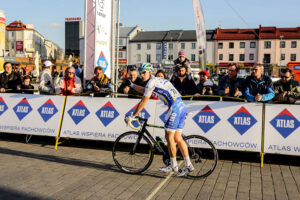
x: 145, y: 66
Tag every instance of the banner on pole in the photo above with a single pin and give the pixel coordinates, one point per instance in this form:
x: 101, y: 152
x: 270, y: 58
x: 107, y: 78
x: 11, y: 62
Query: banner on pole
x: 103, y: 20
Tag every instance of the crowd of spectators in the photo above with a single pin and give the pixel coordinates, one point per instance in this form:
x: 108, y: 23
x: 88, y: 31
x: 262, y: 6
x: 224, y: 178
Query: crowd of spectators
x: 255, y: 88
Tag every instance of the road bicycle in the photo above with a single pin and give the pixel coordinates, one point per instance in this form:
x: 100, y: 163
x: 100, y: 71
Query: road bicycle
x: 133, y: 151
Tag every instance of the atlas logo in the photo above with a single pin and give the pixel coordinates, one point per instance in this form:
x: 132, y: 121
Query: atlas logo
x: 22, y: 109
x: 102, y: 61
x: 47, y: 110
x: 163, y: 116
x: 242, y: 120
x: 206, y: 119
x: 3, y: 106
x: 107, y: 114
x: 78, y: 112
x: 144, y: 114
x: 285, y: 123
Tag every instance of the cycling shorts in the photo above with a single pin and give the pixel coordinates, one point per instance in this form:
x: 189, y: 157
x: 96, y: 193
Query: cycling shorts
x: 175, y: 116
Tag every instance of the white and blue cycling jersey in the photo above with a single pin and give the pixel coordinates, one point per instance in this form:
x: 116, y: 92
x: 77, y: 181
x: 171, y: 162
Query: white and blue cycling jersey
x: 166, y: 92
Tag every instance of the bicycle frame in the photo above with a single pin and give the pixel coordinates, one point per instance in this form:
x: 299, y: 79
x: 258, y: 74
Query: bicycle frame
x: 142, y: 132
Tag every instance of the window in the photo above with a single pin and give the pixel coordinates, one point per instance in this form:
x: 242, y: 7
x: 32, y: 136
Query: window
x: 230, y: 57
x: 148, y: 58
x: 293, y: 57
x: 12, y: 34
x: 220, y: 56
x: 138, y: 46
x: 148, y: 46
x: 193, y: 57
x: 12, y: 45
x: 251, y: 56
x: 267, y: 44
x: 170, y: 45
x: 282, y: 56
x: 158, y: 45
x: 242, y: 45
x: 138, y: 57
x: 120, y: 41
x: 170, y: 57
x: 193, y: 45
x: 231, y: 45
x: 294, y: 44
x: 182, y: 45
x: 252, y: 44
x: 220, y: 45
x: 242, y: 57
x: 120, y: 54
x: 158, y: 57
x: 282, y: 44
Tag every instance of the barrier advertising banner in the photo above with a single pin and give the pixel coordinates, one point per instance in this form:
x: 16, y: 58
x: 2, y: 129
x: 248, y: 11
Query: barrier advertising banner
x: 282, y: 132
x: 30, y: 114
x: 229, y: 125
x: 100, y: 118
x: 103, y: 20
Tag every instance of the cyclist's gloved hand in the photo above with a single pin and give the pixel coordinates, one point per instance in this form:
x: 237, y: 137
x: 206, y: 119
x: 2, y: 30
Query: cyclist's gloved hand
x: 128, y: 82
x: 128, y: 118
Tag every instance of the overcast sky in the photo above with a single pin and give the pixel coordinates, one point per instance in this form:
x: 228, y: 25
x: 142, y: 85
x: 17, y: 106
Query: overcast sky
x: 48, y: 16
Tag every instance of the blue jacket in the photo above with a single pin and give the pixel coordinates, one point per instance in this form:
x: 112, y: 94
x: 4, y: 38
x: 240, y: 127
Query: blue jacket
x: 264, y: 86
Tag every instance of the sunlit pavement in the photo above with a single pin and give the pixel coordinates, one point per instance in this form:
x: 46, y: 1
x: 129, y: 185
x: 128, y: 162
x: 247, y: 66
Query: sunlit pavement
x: 78, y: 170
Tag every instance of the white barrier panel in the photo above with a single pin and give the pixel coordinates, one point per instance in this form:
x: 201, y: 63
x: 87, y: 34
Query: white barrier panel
x: 100, y: 118
x: 30, y: 114
x: 282, y: 132
x: 229, y: 125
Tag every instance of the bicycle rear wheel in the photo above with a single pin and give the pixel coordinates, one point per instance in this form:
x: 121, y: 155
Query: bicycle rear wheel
x: 203, y: 155
x: 129, y: 160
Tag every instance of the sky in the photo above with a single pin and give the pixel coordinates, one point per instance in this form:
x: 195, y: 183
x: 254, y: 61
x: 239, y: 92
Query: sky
x: 48, y: 16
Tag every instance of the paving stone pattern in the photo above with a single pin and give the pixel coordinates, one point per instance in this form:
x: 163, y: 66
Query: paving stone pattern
x: 35, y: 171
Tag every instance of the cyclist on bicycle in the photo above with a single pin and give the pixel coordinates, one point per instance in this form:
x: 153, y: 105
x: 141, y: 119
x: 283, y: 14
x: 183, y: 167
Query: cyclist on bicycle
x: 174, y: 118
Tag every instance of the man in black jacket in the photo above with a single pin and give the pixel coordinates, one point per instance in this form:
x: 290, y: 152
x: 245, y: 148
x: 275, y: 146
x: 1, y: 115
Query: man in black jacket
x: 124, y: 88
x: 9, y: 81
x: 231, y: 85
x: 180, y: 61
x: 183, y: 82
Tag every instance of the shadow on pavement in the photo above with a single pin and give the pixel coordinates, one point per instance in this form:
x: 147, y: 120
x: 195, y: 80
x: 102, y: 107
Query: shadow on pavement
x: 6, y: 193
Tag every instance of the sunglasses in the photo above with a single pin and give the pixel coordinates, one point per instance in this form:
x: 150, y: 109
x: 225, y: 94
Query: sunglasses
x: 286, y: 77
x: 143, y: 72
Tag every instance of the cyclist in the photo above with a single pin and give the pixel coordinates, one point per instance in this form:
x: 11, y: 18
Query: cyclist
x: 174, y: 118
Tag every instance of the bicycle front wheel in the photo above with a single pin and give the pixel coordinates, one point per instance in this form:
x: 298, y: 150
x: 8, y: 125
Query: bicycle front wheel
x: 203, y: 155
x: 132, y: 153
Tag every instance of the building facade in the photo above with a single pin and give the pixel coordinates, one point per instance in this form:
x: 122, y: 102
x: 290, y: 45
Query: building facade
x: 126, y: 34
x: 74, y: 29
x: 162, y: 47
x: 266, y: 45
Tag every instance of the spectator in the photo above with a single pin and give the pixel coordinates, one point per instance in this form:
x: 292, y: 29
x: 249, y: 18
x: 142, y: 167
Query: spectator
x: 133, y: 77
x: 211, y: 87
x: 46, y: 85
x: 100, y: 84
x: 26, y: 86
x: 286, y: 89
x: 161, y: 74
x: 69, y: 84
x: 231, y: 85
x: 258, y: 87
x: 183, y: 82
x: 180, y: 61
x: 9, y: 81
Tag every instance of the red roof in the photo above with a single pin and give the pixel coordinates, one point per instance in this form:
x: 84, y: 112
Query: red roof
x: 254, y: 34
x: 236, y: 34
x: 16, y: 26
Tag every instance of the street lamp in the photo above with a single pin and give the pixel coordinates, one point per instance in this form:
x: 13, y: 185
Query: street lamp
x: 281, y: 37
